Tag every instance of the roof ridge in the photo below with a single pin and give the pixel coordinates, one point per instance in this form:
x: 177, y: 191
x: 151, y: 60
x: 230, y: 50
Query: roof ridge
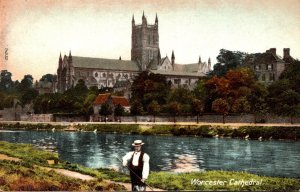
x: 102, y: 58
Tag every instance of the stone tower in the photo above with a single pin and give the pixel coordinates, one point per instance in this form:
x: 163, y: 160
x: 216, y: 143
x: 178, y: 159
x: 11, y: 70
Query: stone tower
x: 145, y: 43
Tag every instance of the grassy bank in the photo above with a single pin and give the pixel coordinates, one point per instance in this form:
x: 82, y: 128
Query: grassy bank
x: 254, y: 132
x: 24, y: 175
x: 221, y: 180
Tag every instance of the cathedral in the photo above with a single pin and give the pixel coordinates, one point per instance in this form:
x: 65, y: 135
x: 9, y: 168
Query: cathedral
x: 115, y: 73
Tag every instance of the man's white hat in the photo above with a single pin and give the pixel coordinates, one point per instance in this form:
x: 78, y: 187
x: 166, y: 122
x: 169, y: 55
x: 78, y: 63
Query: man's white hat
x: 137, y: 142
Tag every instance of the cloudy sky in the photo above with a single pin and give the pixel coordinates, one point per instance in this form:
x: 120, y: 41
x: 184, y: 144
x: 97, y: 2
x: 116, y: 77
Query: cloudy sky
x: 36, y: 31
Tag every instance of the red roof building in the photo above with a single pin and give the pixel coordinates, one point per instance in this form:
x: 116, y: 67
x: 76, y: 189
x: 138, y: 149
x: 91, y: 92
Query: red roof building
x: 112, y: 100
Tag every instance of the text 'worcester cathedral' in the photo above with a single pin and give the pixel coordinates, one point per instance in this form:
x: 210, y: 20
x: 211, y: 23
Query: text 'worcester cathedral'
x: 119, y: 74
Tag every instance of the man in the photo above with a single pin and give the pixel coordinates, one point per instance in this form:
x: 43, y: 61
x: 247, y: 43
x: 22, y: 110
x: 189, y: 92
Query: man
x: 138, y: 163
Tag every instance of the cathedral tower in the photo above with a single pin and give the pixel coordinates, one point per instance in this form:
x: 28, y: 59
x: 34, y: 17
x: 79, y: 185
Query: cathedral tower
x: 145, y: 43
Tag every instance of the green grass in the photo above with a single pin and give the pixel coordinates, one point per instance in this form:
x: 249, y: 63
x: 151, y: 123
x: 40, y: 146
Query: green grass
x: 21, y: 176
x: 28, y: 126
x: 182, y: 181
x: 27, y: 153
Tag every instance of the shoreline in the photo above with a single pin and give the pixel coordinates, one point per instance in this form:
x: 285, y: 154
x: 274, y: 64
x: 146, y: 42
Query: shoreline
x: 156, y: 123
x: 241, y: 131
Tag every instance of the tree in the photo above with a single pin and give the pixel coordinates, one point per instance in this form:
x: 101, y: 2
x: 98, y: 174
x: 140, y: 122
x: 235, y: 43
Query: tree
x: 290, y: 104
x: 136, y: 108
x: 147, y: 87
x: 28, y: 96
x: 227, y: 60
x: 197, y: 108
x: 119, y: 111
x: 257, y: 100
x: 154, y: 109
x: 105, y: 110
x: 284, y: 95
x: 241, y: 105
x: 6, y: 82
x: 292, y: 74
x: 238, y: 88
x: 26, y: 83
x: 174, y: 109
x: 221, y: 106
x: 48, y: 77
x: 80, y: 88
x: 88, y: 104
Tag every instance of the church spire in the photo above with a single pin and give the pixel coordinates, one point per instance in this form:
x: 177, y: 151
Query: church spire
x: 60, y: 61
x: 209, y: 64
x: 144, y: 20
x: 133, y: 21
x: 173, y: 56
x: 199, y: 61
x: 156, y: 19
x: 70, y: 57
x: 173, y: 60
x: 158, y: 56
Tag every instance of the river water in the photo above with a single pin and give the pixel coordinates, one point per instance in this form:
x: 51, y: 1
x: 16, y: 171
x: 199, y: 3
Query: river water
x: 177, y: 154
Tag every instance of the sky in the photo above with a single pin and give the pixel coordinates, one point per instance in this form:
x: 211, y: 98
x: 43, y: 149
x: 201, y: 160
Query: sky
x: 34, y: 32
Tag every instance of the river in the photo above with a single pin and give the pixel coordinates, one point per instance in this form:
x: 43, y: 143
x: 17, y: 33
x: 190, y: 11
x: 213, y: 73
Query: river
x: 167, y: 153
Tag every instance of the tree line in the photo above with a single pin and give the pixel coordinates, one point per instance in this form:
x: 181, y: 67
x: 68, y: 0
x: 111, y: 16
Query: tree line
x: 231, y: 88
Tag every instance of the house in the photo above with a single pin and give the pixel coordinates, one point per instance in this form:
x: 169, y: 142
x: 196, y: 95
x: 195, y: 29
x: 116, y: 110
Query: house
x: 268, y: 66
x: 112, y: 101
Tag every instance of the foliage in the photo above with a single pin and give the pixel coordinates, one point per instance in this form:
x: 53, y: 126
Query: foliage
x: 284, y: 95
x: 182, y: 181
x: 147, y: 87
x: 174, y: 109
x: 227, y: 60
x: 6, y: 83
x: 26, y: 176
x: 105, y: 110
x: 26, y: 83
x: 48, y: 78
x: 136, y: 108
x: 28, y: 96
x: 221, y: 106
x: 119, y: 110
x: 239, y: 89
x: 154, y: 108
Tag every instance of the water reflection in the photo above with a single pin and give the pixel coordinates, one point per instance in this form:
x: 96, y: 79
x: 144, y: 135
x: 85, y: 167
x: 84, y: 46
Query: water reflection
x: 177, y: 154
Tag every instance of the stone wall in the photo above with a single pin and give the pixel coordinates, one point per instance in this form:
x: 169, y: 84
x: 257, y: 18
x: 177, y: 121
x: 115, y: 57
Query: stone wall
x: 214, y: 119
x: 15, y: 113
x: 38, y: 117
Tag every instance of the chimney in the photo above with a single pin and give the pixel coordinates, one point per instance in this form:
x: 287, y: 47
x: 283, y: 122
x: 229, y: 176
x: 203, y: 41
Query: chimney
x: 273, y: 51
x: 286, y: 53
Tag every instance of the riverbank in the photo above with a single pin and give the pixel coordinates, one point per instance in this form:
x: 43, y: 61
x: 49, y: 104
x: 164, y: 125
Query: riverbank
x: 27, y: 174
x: 242, y: 131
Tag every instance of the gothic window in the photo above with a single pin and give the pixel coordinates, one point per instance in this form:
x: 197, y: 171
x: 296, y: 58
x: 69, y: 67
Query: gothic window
x: 153, y: 39
x: 148, y: 39
x: 96, y: 74
x: 104, y: 75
